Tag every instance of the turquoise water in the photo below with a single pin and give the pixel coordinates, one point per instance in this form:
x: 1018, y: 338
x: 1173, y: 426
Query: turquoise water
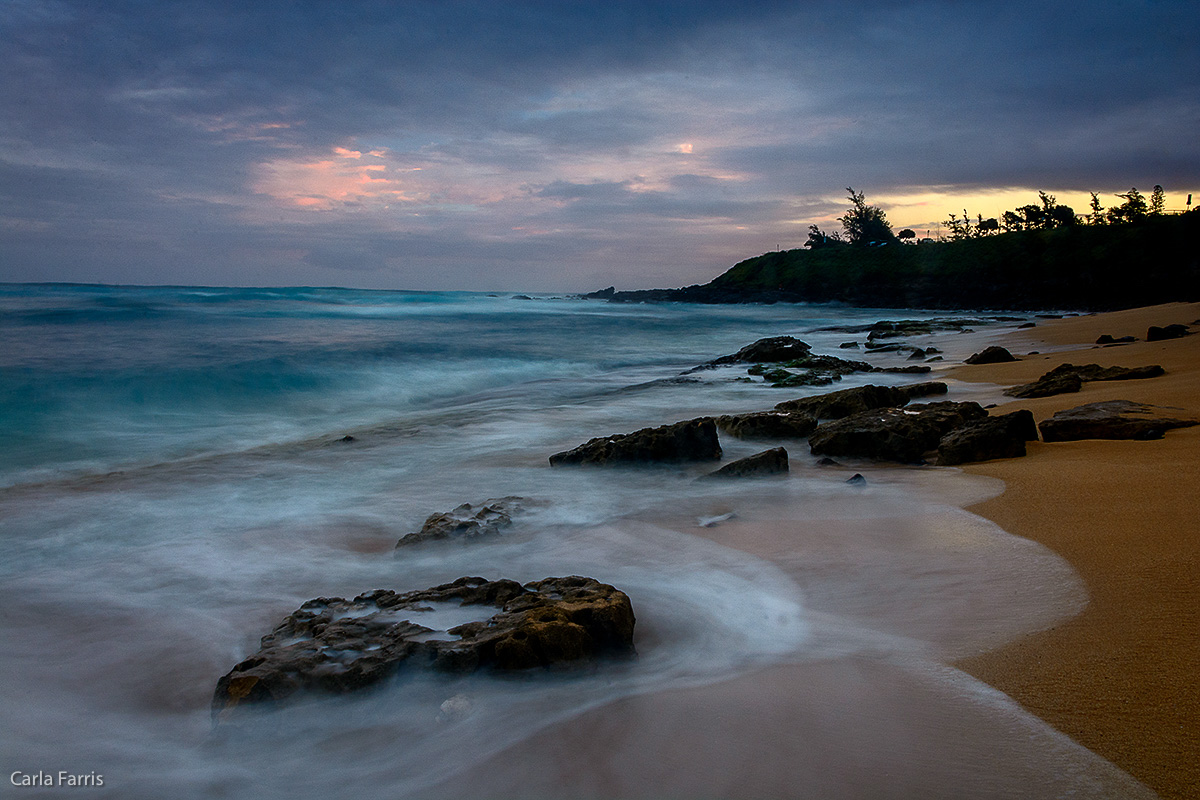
x: 174, y: 481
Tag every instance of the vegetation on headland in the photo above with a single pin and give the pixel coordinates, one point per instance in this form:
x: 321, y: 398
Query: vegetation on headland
x: 1037, y: 257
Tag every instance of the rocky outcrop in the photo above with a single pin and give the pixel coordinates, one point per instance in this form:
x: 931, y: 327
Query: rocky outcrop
x: 893, y: 434
x: 1157, y: 334
x: 768, y: 462
x: 1069, y: 378
x: 690, y: 440
x: 466, y: 521
x: 990, y: 355
x: 845, y: 402
x: 1002, y: 436
x: 1106, y: 338
x: 1112, y: 419
x: 768, y: 425
x: 772, y: 349
x: 337, y: 645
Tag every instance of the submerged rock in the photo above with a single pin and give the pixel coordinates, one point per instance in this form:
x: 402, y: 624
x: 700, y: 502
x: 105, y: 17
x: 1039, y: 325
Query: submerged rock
x: 1112, y: 419
x: 768, y: 425
x: 845, y: 402
x: 768, y: 462
x: 1002, y: 436
x: 893, y: 434
x: 990, y: 355
x: 467, y: 521
x: 336, y: 645
x: 857, y: 479
x: 690, y: 440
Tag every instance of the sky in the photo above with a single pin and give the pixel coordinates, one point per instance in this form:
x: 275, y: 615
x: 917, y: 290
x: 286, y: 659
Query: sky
x: 557, y: 146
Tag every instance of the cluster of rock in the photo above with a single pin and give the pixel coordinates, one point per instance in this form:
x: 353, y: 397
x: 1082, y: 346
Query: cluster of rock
x: 337, y: 645
x: 774, y: 360
x: 467, y: 521
x: 690, y: 440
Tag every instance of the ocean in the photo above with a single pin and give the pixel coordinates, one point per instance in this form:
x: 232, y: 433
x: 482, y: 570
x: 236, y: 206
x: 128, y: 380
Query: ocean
x: 175, y: 478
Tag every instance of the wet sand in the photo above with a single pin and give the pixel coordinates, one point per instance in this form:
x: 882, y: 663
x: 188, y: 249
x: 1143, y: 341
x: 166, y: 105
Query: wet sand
x: 1120, y: 678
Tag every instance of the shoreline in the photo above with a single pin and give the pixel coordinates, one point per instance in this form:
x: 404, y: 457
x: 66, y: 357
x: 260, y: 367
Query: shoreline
x: 1119, y: 678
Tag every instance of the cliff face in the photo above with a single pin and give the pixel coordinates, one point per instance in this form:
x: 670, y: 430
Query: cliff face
x: 1151, y: 261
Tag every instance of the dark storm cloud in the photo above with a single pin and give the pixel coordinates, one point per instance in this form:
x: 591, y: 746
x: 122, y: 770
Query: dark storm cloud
x: 197, y: 141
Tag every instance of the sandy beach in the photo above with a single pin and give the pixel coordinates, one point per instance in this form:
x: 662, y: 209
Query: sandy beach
x: 1120, y: 678
x: 1110, y: 669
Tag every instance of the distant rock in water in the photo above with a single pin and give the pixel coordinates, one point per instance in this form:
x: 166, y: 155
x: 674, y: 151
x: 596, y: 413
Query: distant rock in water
x: 1112, y: 419
x: 335, y: 645
x: 990, y: 355
x: 893, y: 434
x: 467, y: 521
x: 857, y: 479
x: 1002, y: 436
x: 845, y: 402
x: 690, y: 440
x: 768, y: 462
x: 775, y: 348
x: 1157, y: 334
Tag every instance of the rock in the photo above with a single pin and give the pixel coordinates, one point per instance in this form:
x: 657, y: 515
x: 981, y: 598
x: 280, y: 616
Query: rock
x: 347, y: 438
x: 1106, y: 339
x: 893, y: 434
x: 990, y: 355
x: 919, y: 369
x: 917, y: 354
x: 1069, y: 378
x: 602, y: 294
x: 828, y: 462
x: 1112, y: 419
x: 768, y: 425
x: 1003, y: 436
x: 521, y: 297
x: 857, y: 480
x: 690, y: 440
x: 336, y: 645
x: 467, y: 521
x: 848, y: 345
x: 845, y: 402
x: 768, y: 462
x: 1027, y: 325
x: 1157, y: 334
x: 775, y: 348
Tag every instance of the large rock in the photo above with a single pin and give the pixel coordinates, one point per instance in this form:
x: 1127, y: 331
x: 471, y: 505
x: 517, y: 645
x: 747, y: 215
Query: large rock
x: 1157, y: 334
x: 893, y: 434
x: 466, y: 521
x: 990, y: 355
x: 1069, y: 378
x: 337, y: 645
x: 768, y: 425
x: 768, y: 462
x: 775, y: 348
x: 1112, y: 419
x: 845, y: 402
x: 690, y: 440
x: 1002, y: 436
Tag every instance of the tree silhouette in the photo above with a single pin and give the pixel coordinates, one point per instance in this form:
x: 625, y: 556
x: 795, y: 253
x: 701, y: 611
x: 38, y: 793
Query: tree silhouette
x: 864, y: 224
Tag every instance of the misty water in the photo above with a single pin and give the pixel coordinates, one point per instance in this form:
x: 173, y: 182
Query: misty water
x: 174, y: 480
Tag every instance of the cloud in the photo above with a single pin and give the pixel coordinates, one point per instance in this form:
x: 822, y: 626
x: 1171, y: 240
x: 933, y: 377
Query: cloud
x: 390, y: 144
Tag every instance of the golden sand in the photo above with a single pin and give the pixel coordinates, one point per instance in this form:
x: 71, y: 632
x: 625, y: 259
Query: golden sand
x: 1122, y: 678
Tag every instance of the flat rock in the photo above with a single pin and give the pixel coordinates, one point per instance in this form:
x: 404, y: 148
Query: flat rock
x: 893, y: 434
x: 768, y: 462
x: 845, y: 402
x: 334, y: 645
x: 1070, y: 377
x: 690, y: 440
x: 467, y: 521
x: 990, y: 355
x: 1112, y: 419
x: 1001, y: 436
x: 1157, y: 334
x: 768, y: 425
